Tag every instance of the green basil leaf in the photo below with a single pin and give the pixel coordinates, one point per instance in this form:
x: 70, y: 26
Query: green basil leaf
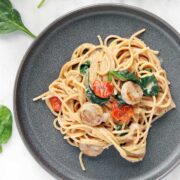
x: 149, y: 85
x: 120, y: 100
x: 41, y: 4
x: 123, y: 75
x: 84, y: 67
x: 10, y: 19
x: 90, y: 94
x: 5, y: 125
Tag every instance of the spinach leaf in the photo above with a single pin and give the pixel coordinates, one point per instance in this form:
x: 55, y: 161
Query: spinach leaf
x: 118, y: 127
x: 90, y: 94
x: 149, y: 85
x: 10, y: 19
x: 123, y: 134
x: 148, y: 69
x: 120, y: 100
x: 84, y: 67
x: 110, y: 76
x: 41, y: 4
x: 123, y: 75
x: 5, y: 125
x: 93, y: 98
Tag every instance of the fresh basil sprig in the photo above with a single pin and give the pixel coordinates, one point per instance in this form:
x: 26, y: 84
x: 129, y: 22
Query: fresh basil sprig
x: 10, y: 19
x: 149, y: 85
x: 41, y: 3
x: 5, y: 125
x: 84, y: 67
x: 123, y: 75
x: 90, y: 94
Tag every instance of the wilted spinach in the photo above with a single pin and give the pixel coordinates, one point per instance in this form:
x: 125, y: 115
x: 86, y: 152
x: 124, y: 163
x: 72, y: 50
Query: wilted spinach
x: 118, y: 127
x: 148, y: 69
x: 84, y: 67
x: 149, y: 85
x: 123, y: 75
x: 5, y: 125
x: 120, y: 100
x: 10, y: 19
x: 123, y: 134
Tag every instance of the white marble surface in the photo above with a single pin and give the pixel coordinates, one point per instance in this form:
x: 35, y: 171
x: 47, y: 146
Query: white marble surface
x: 16, y: 162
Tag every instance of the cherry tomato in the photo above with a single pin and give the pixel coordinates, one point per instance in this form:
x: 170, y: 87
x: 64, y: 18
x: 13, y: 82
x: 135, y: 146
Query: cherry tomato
x: 115, y: 105
x: 123, y: 113
x: 55, y: 103
x: 102, y: 89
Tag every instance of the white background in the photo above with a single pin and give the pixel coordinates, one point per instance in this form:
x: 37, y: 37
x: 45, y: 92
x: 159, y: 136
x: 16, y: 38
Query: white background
x: 15, y: 162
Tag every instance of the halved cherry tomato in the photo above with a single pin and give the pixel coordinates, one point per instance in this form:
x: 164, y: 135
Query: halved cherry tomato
x: 102, y: 89
x: 115, y: 105
x: 55, y: 103
x: 123, y: 113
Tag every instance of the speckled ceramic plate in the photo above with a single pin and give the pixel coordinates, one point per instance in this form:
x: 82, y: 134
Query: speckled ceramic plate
x: 41, y: 65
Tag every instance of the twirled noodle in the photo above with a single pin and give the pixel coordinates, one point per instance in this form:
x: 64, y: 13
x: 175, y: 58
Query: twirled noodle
x: 115, y: 53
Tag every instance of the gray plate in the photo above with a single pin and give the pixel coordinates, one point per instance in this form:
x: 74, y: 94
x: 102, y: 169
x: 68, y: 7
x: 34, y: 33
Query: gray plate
x: 41, y: 66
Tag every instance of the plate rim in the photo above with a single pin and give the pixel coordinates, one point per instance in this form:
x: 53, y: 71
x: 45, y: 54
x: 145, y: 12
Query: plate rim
x: 67, y: 15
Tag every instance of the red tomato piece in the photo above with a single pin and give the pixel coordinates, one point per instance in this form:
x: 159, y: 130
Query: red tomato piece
x: 115, y: 105
x: 123, y: 113
x: 102, y: 89
x: 55, y: 103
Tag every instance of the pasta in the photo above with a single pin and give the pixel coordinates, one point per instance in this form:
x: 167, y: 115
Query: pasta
x: 109, y: 95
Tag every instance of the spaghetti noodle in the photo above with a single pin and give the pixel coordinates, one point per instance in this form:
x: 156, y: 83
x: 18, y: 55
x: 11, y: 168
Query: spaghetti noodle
x: 109, y: 94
